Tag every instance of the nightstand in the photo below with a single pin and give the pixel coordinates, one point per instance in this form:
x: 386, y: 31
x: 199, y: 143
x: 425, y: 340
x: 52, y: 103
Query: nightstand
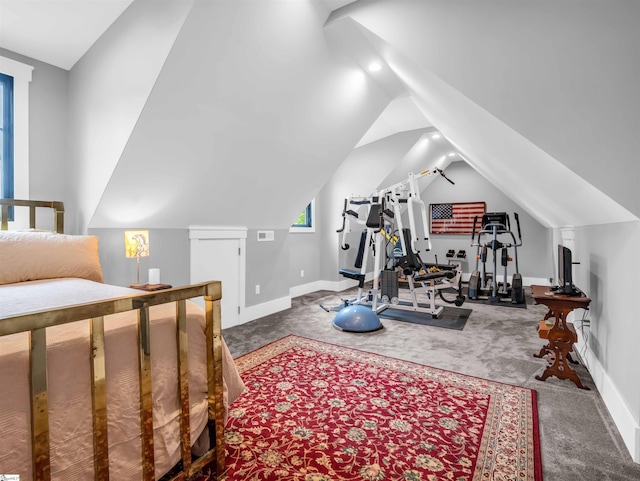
x: 151, y: 287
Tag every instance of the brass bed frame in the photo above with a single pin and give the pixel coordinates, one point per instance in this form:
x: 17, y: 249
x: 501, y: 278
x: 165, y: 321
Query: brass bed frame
x: 36, y: 324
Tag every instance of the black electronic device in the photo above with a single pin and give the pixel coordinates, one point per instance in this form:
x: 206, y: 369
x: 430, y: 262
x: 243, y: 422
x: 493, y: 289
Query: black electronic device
x: 499, y: 219
x: 565, y: 272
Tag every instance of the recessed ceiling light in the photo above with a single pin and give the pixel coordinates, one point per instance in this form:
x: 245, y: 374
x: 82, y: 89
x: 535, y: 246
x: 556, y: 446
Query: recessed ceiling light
x: 452, y: 154
x: 374, y: 66
x: 435, y: 136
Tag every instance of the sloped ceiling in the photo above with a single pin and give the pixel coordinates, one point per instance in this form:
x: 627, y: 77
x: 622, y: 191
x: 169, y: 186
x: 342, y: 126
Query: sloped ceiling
x: 270, y: 108
x: 401, y: 115
x: 251, y: 107
x: 532, y: 178
x: 58, y: 32
x: 248, y: 118
x: 438, y: 37
x: 108, y: 89
x: 562, y: 75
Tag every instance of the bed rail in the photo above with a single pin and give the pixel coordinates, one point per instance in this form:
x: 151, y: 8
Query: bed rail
x: 58, y: 212
x: 36, y: 324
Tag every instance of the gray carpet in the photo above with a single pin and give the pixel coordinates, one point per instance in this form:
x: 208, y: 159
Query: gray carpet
x: 578, y: 438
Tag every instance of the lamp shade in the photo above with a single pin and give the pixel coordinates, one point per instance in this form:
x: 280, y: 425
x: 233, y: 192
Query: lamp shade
x: 136, y: 243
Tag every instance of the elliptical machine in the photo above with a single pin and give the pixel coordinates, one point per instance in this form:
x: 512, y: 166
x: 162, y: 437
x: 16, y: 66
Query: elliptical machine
x: 483, y: 284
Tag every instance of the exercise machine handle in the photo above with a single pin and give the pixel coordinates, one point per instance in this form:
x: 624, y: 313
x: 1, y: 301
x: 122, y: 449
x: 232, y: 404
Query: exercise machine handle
x: 344, y: 216
x: 343, y: 241
x: 473, y: 232
x: 441, y: 172
x: 515, y: 214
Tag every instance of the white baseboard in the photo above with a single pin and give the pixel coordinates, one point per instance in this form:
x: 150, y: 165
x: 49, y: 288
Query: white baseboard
x: 526, y: 281
x: 622, y: 416
x: 335, y: 286
x: 535, y: 281
x: 277, y: 305
x: 260, y: 310
x: 301, y: 290
x: 344, y: 284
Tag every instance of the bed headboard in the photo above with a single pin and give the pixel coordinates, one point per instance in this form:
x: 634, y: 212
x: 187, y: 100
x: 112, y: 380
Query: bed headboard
x: 58, y: 212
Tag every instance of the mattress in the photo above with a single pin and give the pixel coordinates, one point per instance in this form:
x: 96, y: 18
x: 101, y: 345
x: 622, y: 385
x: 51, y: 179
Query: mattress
x: 69, y: 371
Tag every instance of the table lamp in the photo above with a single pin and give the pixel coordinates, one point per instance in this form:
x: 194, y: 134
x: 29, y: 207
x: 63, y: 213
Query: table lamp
x: 136, y: 244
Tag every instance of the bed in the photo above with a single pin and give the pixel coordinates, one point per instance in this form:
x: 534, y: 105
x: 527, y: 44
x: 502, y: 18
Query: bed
x: 100, y: 381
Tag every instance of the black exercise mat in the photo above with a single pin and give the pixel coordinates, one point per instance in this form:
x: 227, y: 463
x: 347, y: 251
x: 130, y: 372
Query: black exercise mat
x: 450, y: 318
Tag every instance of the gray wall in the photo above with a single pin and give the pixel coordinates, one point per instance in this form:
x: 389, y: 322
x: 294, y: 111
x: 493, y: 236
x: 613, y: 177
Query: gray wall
x: 48, y: 154
x: 169, y: 252
x: 304, y: 255
x: 535, y: 256
x: 268, y: 266
x: 607, y: 271
x: 305, y: 249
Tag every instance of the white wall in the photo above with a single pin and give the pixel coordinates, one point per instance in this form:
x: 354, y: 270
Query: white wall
x: 607, y: 274
x: 108, y: 89
x: 252, y: 111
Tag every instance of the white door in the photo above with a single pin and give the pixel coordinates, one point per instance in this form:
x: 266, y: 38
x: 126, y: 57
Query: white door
x: 221, y: 259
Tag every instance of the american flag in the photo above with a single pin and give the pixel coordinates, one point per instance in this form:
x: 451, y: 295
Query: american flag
x: 455, y: 218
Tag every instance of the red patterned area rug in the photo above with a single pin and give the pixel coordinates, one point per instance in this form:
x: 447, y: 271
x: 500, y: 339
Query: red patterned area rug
x: 321, y: 412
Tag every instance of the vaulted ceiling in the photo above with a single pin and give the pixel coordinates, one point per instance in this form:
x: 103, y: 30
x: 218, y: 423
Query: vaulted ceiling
x: 58, y: 32
x: 244, y: 97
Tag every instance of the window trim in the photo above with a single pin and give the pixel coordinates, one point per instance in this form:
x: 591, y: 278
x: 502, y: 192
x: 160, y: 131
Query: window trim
x: 312, y: 214
x: 22, y: 75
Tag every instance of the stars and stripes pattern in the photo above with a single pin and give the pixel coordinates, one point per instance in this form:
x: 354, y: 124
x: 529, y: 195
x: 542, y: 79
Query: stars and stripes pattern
x: 456, y: 218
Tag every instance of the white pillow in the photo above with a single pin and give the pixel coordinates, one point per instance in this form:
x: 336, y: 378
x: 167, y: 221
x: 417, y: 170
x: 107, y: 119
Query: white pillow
x: 29, y: 256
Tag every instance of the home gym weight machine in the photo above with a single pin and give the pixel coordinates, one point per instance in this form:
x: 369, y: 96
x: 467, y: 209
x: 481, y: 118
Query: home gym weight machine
x: 394, y: 246
x: 482, y: 284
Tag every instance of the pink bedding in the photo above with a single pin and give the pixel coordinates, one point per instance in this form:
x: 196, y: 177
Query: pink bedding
x: 69, y: 383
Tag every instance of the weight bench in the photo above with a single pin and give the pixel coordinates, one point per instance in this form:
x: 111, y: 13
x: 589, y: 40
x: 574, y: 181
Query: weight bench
x: 429, y: 276
x: 356, y: 275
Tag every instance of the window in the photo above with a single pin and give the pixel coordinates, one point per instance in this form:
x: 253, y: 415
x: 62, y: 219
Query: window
x: 305, y: 221
x: 6, y: 136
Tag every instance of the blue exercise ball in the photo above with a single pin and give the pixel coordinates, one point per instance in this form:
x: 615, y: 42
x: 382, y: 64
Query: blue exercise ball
x: 357, y: 319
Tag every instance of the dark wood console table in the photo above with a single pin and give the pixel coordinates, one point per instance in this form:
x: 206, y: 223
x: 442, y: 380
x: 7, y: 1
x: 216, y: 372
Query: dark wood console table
x: 561, y: 335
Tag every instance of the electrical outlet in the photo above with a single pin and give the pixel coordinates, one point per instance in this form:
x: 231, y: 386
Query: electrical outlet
x: 257, y: 288
x: 302, y: 273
